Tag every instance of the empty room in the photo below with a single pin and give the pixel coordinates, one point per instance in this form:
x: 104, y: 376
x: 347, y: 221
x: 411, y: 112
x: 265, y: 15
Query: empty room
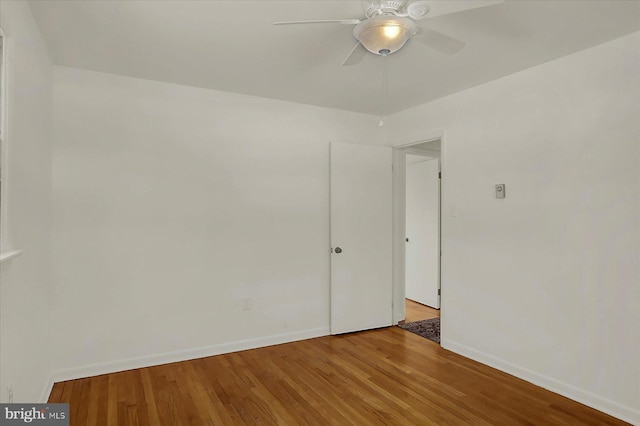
x: 320, y: 212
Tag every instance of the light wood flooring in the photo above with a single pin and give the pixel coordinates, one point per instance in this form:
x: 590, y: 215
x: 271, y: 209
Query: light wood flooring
x: 415, y: 311
x: 379, y: 377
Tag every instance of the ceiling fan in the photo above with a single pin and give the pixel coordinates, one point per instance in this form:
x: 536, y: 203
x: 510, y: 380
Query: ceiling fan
x: 389, y: 24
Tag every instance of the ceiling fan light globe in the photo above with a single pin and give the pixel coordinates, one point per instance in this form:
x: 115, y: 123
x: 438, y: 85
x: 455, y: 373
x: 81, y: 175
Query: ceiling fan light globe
x: 391, y: 31
x: 383, y: 35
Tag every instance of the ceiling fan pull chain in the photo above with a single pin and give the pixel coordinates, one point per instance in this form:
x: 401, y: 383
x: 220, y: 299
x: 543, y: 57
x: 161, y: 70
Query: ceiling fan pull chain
x: 383, y: 92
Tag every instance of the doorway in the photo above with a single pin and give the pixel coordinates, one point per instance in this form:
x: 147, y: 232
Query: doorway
x: 417, y: 242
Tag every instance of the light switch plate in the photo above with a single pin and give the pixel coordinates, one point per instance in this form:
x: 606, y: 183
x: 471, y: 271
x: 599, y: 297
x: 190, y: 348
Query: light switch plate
x: 500, y: 190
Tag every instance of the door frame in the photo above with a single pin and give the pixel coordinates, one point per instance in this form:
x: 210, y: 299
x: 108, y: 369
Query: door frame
x: 399, y: 223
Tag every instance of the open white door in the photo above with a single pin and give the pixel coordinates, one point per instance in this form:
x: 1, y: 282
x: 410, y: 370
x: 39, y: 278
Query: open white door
x: 361, y: 237
x: 422, y: 272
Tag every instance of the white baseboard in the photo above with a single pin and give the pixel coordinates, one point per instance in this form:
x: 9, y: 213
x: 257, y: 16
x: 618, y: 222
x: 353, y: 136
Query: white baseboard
x: 46, y: 390
x: 165, y: 358
x: 622, y: 412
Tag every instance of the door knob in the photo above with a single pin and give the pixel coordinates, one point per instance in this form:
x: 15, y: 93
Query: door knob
x: 338, y: 250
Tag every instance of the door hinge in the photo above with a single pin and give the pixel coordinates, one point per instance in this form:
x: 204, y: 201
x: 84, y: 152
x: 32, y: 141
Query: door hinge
x: 438, y: 292
x: 439, y: 175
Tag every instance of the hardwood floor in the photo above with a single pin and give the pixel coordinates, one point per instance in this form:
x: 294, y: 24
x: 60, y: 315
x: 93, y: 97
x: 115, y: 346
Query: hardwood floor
x: 415, y: 311
x: 379, y: 377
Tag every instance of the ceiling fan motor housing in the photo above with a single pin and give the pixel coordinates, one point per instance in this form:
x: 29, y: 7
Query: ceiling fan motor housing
x: 384, y: 7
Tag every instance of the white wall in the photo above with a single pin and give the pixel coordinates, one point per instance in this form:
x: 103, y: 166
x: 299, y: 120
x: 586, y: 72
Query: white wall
x: 545, y: 284
x: 171, y: 205
x: 25, y: 281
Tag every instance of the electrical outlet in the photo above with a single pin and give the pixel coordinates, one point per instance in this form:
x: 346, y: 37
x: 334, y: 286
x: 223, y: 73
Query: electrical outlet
x: 246, y: 304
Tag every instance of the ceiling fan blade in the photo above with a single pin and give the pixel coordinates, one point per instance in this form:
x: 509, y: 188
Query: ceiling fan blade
x: 323, y: 21
x: 357, y: 53
x: 438, y: 41
x: 430, y: 9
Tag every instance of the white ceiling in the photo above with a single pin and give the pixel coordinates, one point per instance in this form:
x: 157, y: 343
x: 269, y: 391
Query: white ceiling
x: 233, y: 46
